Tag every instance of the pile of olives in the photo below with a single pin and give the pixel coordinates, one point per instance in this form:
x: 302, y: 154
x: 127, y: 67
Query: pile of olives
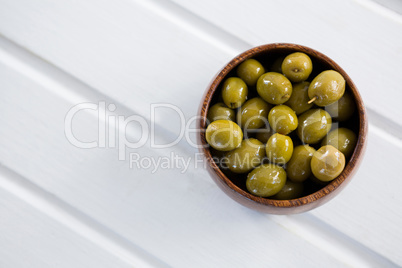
x: 281, y: 130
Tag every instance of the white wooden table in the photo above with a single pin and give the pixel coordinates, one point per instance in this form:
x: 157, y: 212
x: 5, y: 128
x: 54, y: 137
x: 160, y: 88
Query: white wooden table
x: 64, y: 206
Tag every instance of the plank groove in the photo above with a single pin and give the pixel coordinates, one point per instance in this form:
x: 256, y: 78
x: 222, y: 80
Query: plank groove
x: 187, y: 224
x: 104, y: 55
x: 369, y: 61
x: 79, y: 223
x: 324, y: 236
x: 30, y: 238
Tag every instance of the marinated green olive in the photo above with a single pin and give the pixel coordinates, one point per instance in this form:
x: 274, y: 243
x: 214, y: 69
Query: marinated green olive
x: 234, y: 92
x: 279, y: 149
x: 224, y: 135
x: 277, y: 65
x: 282, y: 119
x: 342, y: 139
x: 313, y: 125
x: 299, y: 169
x: 246, y: 157
x: 299, y: 99
x: 220, y: 111
x: 342, y: 109
x: 253, y: 114
x: 297, y: 67
x: 326, y: 88
x: 250, y: 70
x: 284, y: 103
x: 291, y: 190
x: 274, y: 88
x: 266, y: 180
x: 327, y: 163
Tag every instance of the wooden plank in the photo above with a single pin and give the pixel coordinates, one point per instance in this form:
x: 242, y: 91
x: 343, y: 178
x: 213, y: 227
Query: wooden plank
x: 119, y: 73
x: 361, y: 36
x: 122, y: 50
x: 387, y: 28
x: 183, y: 219
x: 112, y: 74
x: 369, y: 208
x: 29, y: 238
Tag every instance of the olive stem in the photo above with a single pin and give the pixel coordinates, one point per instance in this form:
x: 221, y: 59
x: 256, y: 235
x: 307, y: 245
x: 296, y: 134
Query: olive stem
x: 312, y: 100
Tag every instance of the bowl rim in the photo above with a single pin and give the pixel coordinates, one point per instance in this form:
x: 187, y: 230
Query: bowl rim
x: 324, y: 192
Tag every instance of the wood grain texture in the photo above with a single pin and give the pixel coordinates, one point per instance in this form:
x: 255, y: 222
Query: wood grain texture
x: 182, y: 219
x: 361, y: 39
x: 367, y: 204
x: 29, y: 238
x: 117, y: 51
x: 346, y: 51
x: 98, y: 43
x: 302, y: 204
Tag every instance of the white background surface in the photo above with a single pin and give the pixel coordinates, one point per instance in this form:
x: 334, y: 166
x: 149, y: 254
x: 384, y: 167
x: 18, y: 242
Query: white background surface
x: 62, y: 206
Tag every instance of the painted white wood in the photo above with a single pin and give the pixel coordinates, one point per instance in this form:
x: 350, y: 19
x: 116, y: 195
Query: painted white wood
x: 362, y: 37
x: 30, y: 238
x: 125, y: 51
x: 183, y: 219
x: 393, y: 5
x: 370, y: 206
x: 134, y: 203
x: 65, y: 217
x: 196, y: 46
x: 137, y: 53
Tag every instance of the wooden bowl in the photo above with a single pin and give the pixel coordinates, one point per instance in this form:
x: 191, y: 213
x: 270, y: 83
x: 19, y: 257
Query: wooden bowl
x: 235, y: 188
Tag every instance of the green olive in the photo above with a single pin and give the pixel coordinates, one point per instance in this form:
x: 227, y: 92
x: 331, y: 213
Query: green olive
x: 253, y: 114
x: 264, y: 133
x: 342, y: 139
x: 326, y: 88
x: 279, y: 149
x: 282, y: 119
x: 246, y: 157
x: 234, y: 92
x: 299, y: 99
x: 313, y: 125
x: 250, y: 70
x: 297, y: 67
x: 291, y: 190
x: 327, y: 163
x: 277, y: 65
x: 266, y: 180
x: 220, y: 111
x: 342, y: 109
x: 224, y: 135
x: 274, y: 88
x: 299, y: 169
